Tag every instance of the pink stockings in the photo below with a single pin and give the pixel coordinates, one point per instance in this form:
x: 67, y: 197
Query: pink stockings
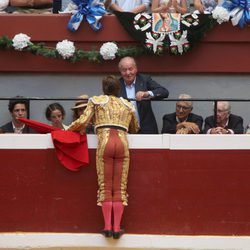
x: 107, y: 214
x: 112, y: 168
x: 118, y: 211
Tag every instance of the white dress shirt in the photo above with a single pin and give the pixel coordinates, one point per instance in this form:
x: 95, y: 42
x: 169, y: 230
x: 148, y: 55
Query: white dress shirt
x: 128, y: 5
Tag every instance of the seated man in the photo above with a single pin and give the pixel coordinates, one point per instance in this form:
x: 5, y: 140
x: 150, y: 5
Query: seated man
x: 130, y: 5
x: 18, y: 109
x: 182, y: 121
x: 226, y: 123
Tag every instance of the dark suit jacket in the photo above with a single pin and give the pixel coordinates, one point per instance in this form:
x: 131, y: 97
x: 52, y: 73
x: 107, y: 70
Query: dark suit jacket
x: 147, y: 119
x: 8, y: 128
x: 235, y: 123
x: 169, y: 122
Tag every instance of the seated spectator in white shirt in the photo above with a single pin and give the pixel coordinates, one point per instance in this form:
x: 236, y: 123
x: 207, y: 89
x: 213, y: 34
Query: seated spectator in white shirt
x: 134, y: 6
x: 68, y: 6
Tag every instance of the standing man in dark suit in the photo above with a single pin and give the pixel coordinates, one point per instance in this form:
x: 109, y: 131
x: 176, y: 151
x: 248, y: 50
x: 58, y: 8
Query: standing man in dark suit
x: 140, y: 87
x: 18, y: 109
x: 182, y: 121
x: 227, y: 123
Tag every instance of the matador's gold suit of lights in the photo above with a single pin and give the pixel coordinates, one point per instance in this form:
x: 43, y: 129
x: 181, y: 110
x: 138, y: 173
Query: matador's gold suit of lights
x: 106, y: 112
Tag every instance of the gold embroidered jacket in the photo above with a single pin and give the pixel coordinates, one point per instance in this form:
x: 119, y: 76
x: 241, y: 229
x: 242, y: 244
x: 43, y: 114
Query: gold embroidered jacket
x: 106, y: 110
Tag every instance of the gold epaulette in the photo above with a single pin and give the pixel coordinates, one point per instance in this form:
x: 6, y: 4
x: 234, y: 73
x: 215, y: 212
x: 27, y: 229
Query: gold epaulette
x: 127, y: 103
x: 101, y: 99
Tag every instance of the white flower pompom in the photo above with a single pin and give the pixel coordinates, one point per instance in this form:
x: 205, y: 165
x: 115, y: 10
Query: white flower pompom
x: 66, y: 49
x: 3, y: 4
x: 221, y: 14
x: 108, y: 50
x: 20, y: 41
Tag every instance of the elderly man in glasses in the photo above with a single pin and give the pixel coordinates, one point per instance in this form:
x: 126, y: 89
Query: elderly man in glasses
x: 182, y: 121
x: 226, y: 123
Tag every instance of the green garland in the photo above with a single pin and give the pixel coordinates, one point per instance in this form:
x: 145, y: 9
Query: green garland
x: 92, y: 55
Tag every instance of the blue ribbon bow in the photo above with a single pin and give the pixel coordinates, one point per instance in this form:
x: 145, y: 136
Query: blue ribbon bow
x: 243, y: 7
x: 91, y: 10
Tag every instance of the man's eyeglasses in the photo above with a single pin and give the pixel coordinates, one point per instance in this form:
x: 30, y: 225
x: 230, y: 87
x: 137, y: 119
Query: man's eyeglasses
x: 222, y: 111
x: 184, y: 108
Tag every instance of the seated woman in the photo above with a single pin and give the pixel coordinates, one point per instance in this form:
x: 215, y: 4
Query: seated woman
x: 205, y: 6
x: 80, y: 105
x: 55, y: 113
x: 169, y: 6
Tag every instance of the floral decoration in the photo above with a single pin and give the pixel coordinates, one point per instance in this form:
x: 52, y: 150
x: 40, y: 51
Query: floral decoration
x: 4, y: 4
x: 154, y: 42
x: 21, y: 41
x: 192, y: 29
x: 190, y: 19
x: 142, y: 21
x: 179, y: 42
x: 221, y: 14
x: 108, y: 50
x: 66, y: 49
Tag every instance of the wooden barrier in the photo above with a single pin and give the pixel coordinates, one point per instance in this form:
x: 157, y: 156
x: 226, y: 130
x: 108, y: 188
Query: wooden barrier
x: 178, y: 185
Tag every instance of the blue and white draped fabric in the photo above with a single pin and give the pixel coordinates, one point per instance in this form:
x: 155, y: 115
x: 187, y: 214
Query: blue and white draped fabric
x: 239, y: 11
x: 91, y: 10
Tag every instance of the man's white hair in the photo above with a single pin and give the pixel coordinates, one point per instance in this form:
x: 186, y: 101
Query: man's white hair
x: 225, y: 104
x: 186, y: 96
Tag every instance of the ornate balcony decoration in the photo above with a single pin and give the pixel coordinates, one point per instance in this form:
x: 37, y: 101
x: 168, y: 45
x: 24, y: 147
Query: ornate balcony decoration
x: 228, y: 44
